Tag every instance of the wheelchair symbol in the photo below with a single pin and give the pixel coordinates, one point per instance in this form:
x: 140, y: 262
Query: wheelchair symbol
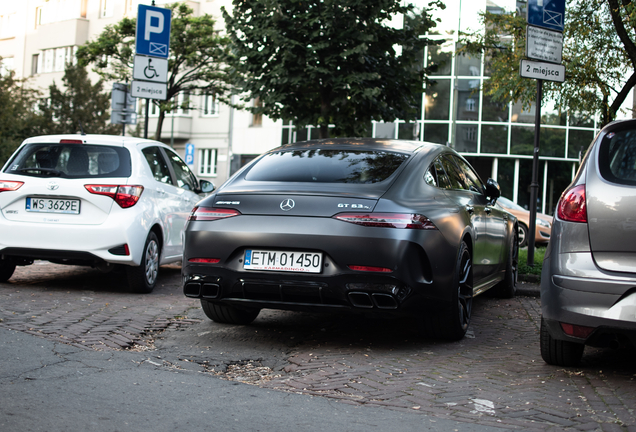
x: 149, y: 71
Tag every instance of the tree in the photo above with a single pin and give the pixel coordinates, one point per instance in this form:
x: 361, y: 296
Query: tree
x: 79, y: 101
x: 599, y: 53
x: 197, y: 52
x: 18, y: 119
x: 322, y: 62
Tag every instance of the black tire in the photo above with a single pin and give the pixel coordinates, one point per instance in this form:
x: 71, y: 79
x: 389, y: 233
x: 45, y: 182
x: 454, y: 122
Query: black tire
x: 508, y: 286
x: 522, y: 234
x: 7, y: 267
x: 559, y: 352
x: 225, y: 314
x: 143, y: 278
x: 453, y: 322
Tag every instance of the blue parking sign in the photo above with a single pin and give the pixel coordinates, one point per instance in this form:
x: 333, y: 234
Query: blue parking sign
x: 153, y: 31
x: 548, y: 14
x: 189, y: 154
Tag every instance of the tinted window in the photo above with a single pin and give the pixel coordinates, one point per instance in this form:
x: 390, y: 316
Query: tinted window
x: 326, y: 166
x: 617, y: 158
x: 436, y: 176
x: 185, y: 178
x: 157, y: 164
x: 455, y: 176
x: 470, y: 177
x: 71, y: 160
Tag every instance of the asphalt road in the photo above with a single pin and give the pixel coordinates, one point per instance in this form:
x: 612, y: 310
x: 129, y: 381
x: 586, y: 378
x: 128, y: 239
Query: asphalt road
x: 79, y: 353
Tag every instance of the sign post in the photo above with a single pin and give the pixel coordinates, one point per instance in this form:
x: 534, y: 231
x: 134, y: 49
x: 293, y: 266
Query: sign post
x: 544, y: 47
x: 122, y: 106
x: 152, y: 45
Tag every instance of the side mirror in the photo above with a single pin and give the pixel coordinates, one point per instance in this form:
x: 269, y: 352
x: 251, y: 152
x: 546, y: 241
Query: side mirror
x: 493, y: 191
x: 206, y: 186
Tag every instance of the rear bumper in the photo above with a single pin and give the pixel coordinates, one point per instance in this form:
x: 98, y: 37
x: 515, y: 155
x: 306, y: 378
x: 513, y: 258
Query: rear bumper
x: 74, y: 243
x: 574, y: 291
x: 422, y: 264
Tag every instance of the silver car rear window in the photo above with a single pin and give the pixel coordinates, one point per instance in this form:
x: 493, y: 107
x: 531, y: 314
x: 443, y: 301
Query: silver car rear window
x: 617, y: 157
x: 71, y: 161
x: 327, y: 166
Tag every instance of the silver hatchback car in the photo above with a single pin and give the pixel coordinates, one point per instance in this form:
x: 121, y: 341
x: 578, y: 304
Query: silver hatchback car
x: 588, y: 283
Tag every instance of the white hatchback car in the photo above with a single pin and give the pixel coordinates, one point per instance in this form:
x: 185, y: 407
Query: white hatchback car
x: 96, y: 200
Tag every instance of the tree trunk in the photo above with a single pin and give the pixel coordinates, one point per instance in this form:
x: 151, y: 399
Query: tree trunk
x: 160, y: 119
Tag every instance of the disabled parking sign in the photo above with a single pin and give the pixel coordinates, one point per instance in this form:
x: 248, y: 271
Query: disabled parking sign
x: 153, y: 31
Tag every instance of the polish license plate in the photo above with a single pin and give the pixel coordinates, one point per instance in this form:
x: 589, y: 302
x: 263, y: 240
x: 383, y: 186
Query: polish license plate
x: 291, y: 261
x: 52, y: 205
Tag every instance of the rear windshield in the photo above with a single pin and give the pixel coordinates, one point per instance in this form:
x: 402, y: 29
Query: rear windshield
x: 327, y: 166
x: 71, y: 160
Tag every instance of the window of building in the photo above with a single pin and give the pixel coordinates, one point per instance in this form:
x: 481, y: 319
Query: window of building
x: 7, y: 26
x: 7, y: 65
x: 471, y: 105
x: 207, y: 162
x: 35, y: 64
x: 210, y: 105
x: 106, y: 10
x: 60, y: 10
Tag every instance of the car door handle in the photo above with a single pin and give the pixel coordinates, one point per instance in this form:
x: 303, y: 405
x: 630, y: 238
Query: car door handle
x: 470, y: 209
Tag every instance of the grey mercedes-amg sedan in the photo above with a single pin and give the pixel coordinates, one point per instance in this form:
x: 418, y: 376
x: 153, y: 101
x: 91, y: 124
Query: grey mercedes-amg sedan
x: 384, y: 227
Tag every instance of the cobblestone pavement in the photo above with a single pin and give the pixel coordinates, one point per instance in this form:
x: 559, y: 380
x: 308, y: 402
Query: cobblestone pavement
x: 493, y: 377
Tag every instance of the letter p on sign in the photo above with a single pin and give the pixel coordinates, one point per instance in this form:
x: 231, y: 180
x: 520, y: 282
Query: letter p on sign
x: 149, y: 28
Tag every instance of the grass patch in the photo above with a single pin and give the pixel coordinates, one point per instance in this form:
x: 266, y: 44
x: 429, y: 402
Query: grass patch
x: 539, y: 253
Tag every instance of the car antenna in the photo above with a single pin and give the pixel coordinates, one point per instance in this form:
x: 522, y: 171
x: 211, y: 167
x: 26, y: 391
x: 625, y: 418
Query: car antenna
x: 81, y: 127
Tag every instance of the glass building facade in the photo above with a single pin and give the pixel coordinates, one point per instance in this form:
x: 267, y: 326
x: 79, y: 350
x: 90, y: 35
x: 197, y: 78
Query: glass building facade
x: 496, y: 138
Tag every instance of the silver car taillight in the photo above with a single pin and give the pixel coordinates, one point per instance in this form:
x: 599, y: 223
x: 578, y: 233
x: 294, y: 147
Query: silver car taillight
x: 571, y: 206
x: 210, y: 213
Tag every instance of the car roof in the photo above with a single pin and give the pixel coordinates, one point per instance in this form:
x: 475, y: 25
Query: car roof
x: 91, y: 139
x: 404, y: 146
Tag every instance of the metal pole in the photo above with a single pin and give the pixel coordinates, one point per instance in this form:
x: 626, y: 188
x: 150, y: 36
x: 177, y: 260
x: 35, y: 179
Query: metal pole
x: 147, y: 116
x: 534, y: 186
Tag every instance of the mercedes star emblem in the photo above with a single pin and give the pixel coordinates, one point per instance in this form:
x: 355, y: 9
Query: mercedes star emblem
x: 287, y: 204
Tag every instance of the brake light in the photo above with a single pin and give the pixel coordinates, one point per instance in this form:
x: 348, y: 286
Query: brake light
x: 204, y: 260
x: 388, y: 220
x: 71, y: 141
x: 124, y: 195
x: 370, y: 269
x: 210, y: 214
x: 7, y: 185
x: 576, y: 330
x: 571, y: 206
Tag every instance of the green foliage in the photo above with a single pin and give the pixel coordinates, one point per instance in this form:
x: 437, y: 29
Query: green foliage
x: 196, y: 63
x: 599, y: 54
x: 539, y: 254
x: 79, y: 101
x: 322, y: 62
x: 17, y: 116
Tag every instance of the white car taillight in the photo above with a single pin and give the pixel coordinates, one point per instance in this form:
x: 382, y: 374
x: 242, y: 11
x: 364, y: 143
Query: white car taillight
x: 8, y: 185
x: 124, y: 195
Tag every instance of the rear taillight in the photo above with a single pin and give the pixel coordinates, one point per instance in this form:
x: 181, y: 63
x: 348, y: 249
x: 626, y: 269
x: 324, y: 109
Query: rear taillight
x: 124, y: 195
x: 210, y: 213
x: 576, y: 330
x: 388, y: 220
x: 370, y: 269
x: 204, y: 260
x: 571, y: 206
x: 7, y: 185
